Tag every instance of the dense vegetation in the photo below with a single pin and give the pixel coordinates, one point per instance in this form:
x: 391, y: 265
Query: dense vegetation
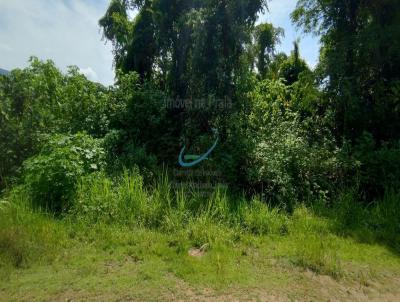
x: 290, y: 139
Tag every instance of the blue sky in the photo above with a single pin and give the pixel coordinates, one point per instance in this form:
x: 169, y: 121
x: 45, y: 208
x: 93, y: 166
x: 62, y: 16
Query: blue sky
x: 279, y: 15
x: 67, y: 32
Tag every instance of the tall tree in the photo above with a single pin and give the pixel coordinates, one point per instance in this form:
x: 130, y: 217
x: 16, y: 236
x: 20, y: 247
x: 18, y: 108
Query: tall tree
x: 196, y: 44
x: 192, y: 48
x: 134, y: 41
x: 291, y: 68
x: 266, y: 38
x: 360, y: 61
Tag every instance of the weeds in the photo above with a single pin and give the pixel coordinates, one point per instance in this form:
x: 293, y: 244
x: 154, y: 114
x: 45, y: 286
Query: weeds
x: 123, y: 212
x: 318, y: 253
x: 27, y: 236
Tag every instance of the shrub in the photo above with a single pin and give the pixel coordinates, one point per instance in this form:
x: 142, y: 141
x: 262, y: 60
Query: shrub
x: 140, y: 123
x: 380, y: 166
x: 51, y: 176
x: 95, y: 199
x: 41, y: 100
x: 121, y: 153
x: 288, y: 162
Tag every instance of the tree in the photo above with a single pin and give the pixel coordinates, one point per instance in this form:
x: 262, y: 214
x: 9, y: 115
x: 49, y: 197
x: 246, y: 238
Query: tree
x: 360, y: 62
x: 134, y: 41
x: 39, y: 101
x: 275, y: 65
x: 191, y: 50
x: 293, y: 66
x: 266, y: 38
x: 196, y: 45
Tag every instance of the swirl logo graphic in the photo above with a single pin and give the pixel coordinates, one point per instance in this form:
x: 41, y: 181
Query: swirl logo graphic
x: 196, y: 159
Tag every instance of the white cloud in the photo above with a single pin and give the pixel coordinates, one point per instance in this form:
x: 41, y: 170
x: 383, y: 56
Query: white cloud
x: 65, y: 31
x: 89, y: 73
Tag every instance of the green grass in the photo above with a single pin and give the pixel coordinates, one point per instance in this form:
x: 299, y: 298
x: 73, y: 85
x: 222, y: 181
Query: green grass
x: 122, y: 241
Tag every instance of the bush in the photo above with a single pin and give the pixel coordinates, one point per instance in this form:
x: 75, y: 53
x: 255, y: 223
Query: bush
x: 95, y: 199
x: 121, y: 153
x: 378, y: 222
x: 380, y: 166
x: 40, y: 100
x: 51, y: 176
x: 140, y: 124
x: 288, y: 162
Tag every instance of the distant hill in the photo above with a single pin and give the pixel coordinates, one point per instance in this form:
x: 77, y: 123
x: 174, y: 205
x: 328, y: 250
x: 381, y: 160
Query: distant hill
x: 4, y: 72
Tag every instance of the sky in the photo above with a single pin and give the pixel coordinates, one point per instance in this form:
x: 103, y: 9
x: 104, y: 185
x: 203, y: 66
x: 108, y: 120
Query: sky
x: 279, y: 15
x: 67, y: 32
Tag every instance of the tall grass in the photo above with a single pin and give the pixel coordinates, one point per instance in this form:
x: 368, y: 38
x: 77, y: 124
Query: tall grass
x: 27, y: 236
x: 317, y: 253
x: 376, y: 222
x: 124, y: 202
x: 385, y: 219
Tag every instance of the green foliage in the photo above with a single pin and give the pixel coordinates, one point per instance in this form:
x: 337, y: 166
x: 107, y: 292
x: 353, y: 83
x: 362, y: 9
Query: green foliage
x: 319, y: 254
x: 51, y: 176
x: 133, y: 41
x: 26, y: 237
x: 377, y: 222
x: 190, y: 50
x: 122, y: 153
x: 380, y: 166
x: 315, y: 155
x: 83, y: 106
x: 266, y: 37
x: 291, y: 134
x: 125, y: 201
x: 261, y: 219
x: 141, y: 132
x: 194, y: 46
x: 94, y: 199
x: 385, y: 219
x: 113, y: 217
x: 287, y: 161
x: 359, y: 61
x: 38, y: 101
x: 291, y: 69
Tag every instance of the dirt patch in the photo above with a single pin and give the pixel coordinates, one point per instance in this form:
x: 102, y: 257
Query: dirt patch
x: 198, y: 252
